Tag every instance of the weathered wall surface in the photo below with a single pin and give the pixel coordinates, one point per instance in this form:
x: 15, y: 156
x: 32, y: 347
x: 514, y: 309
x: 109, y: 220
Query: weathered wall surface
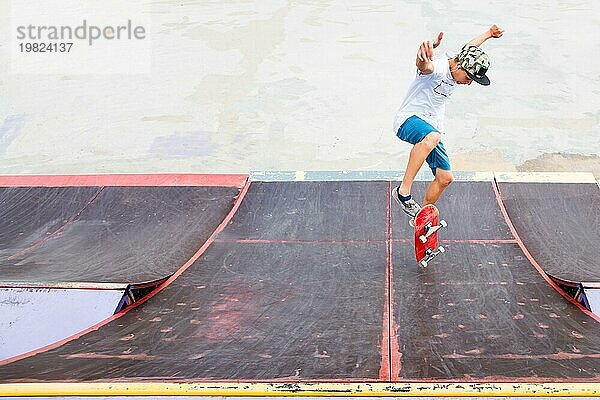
x: 252, y: 85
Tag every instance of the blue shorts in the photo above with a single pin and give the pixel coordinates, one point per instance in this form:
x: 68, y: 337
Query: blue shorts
x: 413, y: 130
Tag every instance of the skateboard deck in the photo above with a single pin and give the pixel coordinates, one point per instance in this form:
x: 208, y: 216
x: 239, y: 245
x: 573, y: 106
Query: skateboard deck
x: 427, y: 224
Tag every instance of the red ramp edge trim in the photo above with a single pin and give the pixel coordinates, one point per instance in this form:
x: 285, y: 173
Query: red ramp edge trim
x: 124, y: 180
x: 532, y: 260
x: 180, y: 271
x: 390, y: 350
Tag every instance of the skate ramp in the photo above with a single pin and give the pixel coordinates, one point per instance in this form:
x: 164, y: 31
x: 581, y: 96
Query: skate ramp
x: 132, y: 229
x: 313, y: 286
x: 557, y: 217
x: 72, y: 255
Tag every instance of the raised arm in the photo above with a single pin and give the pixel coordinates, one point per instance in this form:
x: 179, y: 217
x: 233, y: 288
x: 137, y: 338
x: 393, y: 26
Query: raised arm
x: 493, y: 32
x: 425, y: 54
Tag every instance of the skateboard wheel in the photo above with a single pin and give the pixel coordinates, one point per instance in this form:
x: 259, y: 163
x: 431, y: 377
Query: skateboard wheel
x: 442, y: 249
x: 443, y: 223
x: 423, y: 264
x: 423, y: 239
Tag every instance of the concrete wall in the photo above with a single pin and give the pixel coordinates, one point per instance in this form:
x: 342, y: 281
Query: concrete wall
x: 257, y: 85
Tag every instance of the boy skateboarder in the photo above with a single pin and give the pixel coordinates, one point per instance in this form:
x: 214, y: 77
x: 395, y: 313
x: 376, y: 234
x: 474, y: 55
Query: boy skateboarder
x: 420, y: 119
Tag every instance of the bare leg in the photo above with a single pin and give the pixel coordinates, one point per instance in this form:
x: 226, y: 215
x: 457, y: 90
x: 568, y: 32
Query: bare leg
x: 442, y: 180
x: 417, y: 157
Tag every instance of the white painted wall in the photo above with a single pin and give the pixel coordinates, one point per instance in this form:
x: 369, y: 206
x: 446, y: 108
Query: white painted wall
x: 299, y: 85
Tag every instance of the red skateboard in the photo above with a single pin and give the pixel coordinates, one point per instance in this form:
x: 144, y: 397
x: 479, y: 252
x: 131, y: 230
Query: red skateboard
x: 426, y: 236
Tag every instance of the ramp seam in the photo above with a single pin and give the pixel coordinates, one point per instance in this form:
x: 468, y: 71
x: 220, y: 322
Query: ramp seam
x: 389, y: 347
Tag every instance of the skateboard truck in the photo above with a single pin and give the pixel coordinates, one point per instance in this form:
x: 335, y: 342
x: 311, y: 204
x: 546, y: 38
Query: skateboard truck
x: 430, y: 230
x: 429, y: 254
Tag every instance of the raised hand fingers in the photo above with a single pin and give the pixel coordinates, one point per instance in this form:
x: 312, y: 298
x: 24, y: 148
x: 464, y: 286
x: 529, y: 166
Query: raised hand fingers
x: 424, y: 52
x: 438, y: 40
x: 427, y: 50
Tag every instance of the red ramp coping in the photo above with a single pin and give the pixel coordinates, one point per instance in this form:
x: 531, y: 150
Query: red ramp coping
x: 124, y: 180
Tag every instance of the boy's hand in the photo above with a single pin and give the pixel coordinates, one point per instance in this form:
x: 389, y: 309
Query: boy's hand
x: 496, y: 31
x: 425, y: 52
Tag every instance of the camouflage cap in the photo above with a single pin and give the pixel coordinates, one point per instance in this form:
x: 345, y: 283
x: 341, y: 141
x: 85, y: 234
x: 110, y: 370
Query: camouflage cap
x: 475, y: 63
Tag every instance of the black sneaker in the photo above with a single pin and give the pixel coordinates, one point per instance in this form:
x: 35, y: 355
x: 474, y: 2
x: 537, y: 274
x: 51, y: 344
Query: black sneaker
x: 410, y: 206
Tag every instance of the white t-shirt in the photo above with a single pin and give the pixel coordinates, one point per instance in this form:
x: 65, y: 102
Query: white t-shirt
x: 427, y: 96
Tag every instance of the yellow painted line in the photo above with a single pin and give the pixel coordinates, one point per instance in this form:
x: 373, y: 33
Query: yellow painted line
x: 299, y: 175
x: 301, y: 389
